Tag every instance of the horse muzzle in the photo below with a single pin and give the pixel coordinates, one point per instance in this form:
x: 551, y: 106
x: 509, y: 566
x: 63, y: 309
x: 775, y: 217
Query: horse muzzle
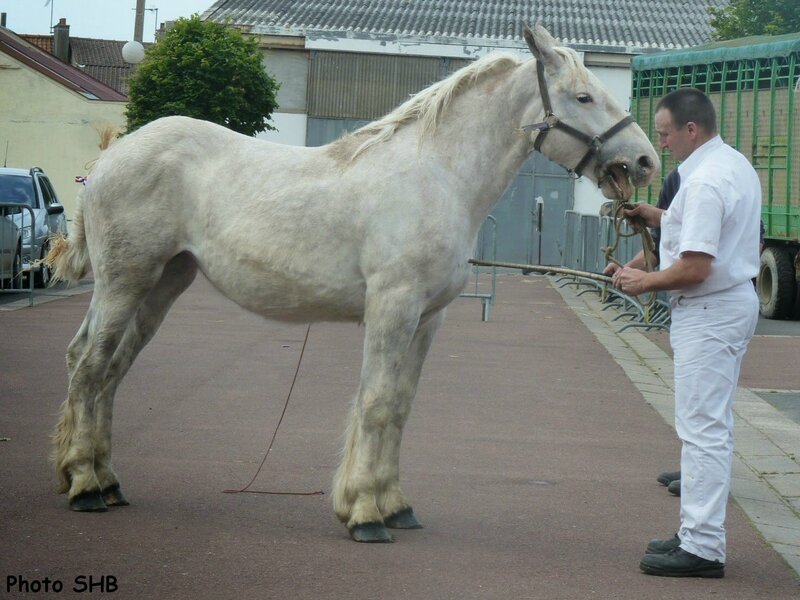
x: 618, y: 177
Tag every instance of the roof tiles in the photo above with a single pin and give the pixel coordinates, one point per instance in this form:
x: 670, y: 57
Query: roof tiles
x: 634, y: 25
x: 47, y: 64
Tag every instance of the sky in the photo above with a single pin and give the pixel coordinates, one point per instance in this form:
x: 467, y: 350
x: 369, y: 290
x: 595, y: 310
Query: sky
x: 100, y: 19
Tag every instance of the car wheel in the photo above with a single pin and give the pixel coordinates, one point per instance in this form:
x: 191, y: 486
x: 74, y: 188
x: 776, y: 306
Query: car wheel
x: 42, y: 276
x: 16, y: 279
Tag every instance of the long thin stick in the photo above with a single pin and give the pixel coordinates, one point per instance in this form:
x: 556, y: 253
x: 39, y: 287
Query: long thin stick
x: 540, y: 269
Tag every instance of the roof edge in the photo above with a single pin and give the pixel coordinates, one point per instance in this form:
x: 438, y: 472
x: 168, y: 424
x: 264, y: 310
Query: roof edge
x: 762, y: 46
x: 507, y: 43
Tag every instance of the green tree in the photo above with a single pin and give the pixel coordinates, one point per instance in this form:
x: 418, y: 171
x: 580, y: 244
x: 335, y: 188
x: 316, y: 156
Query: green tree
x: 207, y: 71
x: 742, y: 18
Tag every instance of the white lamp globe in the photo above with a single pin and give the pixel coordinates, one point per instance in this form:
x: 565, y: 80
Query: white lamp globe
x: 133, y: 52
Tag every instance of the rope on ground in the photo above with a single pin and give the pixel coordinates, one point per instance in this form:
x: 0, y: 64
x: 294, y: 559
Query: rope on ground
x: 245, y: 489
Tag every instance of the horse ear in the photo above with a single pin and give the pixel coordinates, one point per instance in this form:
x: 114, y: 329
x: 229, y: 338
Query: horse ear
x: 540, y: 42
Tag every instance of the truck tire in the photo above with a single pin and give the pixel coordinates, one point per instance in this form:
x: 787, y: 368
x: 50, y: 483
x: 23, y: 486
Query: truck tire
x: 776, y: 284
x: 796, y: 315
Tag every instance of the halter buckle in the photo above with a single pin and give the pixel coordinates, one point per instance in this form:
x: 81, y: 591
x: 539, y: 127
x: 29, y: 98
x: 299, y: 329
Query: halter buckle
x: 549, y: 122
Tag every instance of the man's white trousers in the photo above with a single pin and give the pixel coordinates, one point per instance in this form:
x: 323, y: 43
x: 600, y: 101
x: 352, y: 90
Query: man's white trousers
x: 709, y: 336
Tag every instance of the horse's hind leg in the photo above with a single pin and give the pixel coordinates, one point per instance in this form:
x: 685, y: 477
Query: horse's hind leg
x: 114, y: 305
x: 177, y: 276
x: 74, y: 435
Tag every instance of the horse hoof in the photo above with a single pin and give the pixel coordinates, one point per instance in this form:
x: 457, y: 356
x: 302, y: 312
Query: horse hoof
x: 88, y: 502
x: 113, y: 496
x: 404, y: 519
x: 371, y: 533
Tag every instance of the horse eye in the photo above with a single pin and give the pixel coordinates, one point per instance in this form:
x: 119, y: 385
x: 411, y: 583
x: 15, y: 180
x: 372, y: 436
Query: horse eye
x: 584, y: 98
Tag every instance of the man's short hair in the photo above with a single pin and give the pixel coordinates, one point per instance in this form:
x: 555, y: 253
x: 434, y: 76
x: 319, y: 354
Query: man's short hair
x: 690, y: 104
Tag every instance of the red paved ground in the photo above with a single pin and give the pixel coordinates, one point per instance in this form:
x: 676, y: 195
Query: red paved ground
x: 530, y: 457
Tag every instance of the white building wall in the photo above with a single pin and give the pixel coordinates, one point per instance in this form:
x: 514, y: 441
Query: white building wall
x: 290, y: 129
x: 411, y: 46
x: 290, y: 70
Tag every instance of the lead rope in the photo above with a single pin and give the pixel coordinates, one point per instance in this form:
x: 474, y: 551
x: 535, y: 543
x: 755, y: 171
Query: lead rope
x: 637, y: 228
x: 245, y: 489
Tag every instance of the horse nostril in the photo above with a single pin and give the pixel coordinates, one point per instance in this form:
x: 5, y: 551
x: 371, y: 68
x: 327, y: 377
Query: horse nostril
x: 645, y: 163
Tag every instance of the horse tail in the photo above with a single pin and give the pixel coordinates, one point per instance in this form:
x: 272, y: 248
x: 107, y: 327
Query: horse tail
x: 68, y: 258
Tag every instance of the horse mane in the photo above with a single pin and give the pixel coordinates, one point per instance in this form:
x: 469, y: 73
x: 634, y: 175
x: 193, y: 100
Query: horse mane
x: 428, y: 105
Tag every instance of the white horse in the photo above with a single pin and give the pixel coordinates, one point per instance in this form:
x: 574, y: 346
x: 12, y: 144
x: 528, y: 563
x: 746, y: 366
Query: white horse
x: 376, y: 227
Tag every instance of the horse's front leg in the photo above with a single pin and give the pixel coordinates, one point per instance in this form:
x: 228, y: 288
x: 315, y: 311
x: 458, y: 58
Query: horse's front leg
x: 391, y: 321
x: 395, y: 508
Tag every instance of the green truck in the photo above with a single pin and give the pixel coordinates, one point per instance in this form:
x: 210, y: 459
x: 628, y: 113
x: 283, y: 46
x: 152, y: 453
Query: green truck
x: 755, y: 86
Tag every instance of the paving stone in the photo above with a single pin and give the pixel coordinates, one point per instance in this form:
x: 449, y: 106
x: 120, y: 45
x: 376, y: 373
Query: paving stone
x: 787, y: 485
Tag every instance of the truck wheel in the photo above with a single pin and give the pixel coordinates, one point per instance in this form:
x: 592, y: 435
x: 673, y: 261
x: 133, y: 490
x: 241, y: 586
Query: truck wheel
x: 796, y: 315
x: 776, y: 284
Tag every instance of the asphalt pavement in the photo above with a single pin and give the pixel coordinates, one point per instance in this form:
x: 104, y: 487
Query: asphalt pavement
x: 530, y: 457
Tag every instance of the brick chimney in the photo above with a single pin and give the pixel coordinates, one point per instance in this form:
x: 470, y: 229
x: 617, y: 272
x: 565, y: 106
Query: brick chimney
x: 61, y: 40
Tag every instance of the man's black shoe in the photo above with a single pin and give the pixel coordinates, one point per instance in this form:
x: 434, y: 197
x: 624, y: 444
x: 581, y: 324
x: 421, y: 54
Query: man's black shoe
x: 679, y: 563
x: 668, y: 477
x: 663, y: 546
x: 674, y: 487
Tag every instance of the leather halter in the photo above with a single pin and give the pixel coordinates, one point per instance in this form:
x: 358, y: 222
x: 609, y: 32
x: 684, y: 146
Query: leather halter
x: 553, y: 122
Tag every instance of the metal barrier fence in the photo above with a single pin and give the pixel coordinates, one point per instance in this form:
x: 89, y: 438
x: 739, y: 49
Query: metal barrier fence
x: 14, y: 276
x: 586, y: 236
x: 487, y: 299
x: 585, y: 240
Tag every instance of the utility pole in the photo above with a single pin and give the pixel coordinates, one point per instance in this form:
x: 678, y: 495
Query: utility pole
x: 138, y: 28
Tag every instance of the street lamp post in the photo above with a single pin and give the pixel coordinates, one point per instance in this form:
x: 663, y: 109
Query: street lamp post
x: 133, y: 51
x: 138, y: 27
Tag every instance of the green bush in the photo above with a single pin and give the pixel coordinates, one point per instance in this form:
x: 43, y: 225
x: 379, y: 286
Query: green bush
x: 207, y: 71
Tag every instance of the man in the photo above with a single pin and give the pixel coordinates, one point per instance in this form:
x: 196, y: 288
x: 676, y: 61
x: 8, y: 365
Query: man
x: 709, y: 253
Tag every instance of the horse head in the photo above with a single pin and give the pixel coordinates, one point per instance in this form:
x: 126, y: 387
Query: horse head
x: 584, y: 128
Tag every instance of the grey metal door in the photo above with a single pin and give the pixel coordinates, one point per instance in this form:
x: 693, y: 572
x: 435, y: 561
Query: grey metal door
x: 514, y: 218
x: 554, y: 196
x: 530, y: 215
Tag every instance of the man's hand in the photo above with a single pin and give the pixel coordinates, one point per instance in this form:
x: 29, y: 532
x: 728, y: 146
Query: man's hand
x: 691, y: 269
x: 651, y: 215
x: 637, y: 262
x: 630, y: 281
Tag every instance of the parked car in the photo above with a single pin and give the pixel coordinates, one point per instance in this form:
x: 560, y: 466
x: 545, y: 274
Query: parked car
x: 10, y: 248
x: 32, y: 188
